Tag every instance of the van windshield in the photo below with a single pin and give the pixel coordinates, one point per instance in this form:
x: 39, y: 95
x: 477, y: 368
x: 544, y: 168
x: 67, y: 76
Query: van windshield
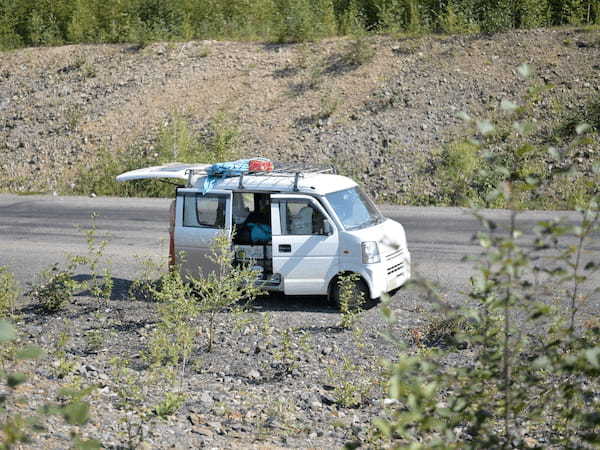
x: 354, y: 209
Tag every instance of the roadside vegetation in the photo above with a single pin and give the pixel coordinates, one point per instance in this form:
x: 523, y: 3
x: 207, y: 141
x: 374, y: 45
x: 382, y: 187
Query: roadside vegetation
x: 517, y: 141
x: 176, y: 142
x: 529, y: 352
x: 62, y: 22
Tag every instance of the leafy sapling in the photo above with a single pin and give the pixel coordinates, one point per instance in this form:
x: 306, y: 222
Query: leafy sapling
x: 225, y: 286
x: 55, y: 289
x: 351, y: 299
x: 529, y: 367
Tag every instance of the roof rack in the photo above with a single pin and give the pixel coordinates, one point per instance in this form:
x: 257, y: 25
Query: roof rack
x: 297, y: 171
x: 286, y: 171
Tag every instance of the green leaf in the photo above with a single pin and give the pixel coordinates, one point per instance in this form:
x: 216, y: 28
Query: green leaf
x: 542, y: 362
x: 29, y: 352
x: 464, y: 116
x: 524, y: 149
x: 582, y: 128
x: 503, y: 171
x: 383, y: 425
x: 508, y: 106
x: 493, y: 195
x: 485, y: 127
x: 15, y: 379
x: 554, y: 153
x: 524, y: 70
x: 592, y: 355
x: 7, y: 331
x: 485, y: 241
x: 596, y: 167
x: 395, y: 387
x: 459, y: 405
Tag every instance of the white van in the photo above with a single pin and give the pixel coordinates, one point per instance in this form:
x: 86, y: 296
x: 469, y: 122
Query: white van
x: 302, y: 228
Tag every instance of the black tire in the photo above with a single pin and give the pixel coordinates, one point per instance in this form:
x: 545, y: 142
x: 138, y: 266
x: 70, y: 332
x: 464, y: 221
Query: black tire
x: 359, y: 288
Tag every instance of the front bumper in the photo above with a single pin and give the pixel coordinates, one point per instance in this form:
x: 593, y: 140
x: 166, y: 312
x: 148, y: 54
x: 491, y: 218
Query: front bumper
x: 390, y: 274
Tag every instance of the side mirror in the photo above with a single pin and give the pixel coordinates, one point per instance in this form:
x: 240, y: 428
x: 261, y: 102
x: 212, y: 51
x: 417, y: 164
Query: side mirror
x: 327, y: 228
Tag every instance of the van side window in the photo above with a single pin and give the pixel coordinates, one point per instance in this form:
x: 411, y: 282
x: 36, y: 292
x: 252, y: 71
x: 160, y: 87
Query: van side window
x: 243, y: 205
x: 206, y: 211
x: 300, y: 217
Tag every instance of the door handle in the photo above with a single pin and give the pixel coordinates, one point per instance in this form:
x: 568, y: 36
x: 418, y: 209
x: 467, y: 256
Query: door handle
x: 285, y: 248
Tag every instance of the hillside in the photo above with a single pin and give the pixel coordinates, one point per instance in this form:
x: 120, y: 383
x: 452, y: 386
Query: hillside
x: 379, y: 119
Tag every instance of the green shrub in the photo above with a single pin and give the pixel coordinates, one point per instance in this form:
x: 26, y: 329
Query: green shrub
x: 169, y: 405
x: 353, y: 383
x: 460, y: 163
x: 303, y: 20
x: 131, y: 391
x: 83, y: 21
x: 512, y: 147
x: 174, y: 338
x: 360, y: 51
x: 457, y: 20
x: 401, y: 16
x: 176, y: 142
x: 9, y: 292
x: 225, y: 286
x: 55, y: 289
x: 531, y: 369
x: 351, y: 299
x: 18, y: 429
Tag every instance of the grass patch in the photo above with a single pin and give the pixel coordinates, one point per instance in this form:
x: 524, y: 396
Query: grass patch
x: 556, y: 158
x: 176, y: 142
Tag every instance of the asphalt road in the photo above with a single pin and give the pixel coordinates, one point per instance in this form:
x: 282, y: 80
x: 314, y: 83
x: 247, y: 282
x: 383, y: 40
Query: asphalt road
x: 37, y: 231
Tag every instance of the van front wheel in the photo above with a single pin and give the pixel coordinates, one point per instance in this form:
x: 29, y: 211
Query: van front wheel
x: 349, y: 289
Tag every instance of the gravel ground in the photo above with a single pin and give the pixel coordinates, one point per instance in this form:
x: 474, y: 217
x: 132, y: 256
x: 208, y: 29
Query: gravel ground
x: 275, y: 379
x: 58, y: 106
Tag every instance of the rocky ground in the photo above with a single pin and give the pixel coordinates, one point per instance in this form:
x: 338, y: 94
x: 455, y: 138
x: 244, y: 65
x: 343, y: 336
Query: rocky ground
x: 282, y: 374
x: 294, y: 102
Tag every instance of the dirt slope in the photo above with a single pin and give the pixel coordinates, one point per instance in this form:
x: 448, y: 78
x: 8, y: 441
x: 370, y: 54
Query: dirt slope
x: 58, y: 106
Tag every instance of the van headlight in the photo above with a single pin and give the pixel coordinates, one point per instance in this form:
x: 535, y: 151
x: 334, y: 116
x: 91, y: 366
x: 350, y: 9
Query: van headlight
x: 370, y: 252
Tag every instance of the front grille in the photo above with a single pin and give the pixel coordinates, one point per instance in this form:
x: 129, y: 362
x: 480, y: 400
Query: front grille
x: 395, y: 270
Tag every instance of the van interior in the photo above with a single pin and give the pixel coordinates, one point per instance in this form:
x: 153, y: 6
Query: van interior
x: 251, y: 216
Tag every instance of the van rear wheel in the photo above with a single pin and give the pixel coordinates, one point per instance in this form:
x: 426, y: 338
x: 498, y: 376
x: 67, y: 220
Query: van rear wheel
x: 356, y: 293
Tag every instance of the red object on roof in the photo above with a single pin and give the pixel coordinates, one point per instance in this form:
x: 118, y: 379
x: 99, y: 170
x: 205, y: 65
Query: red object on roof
x: 260, y: 165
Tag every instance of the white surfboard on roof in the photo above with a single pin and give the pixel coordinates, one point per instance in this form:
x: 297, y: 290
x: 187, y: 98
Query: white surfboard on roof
x: 174, y: 170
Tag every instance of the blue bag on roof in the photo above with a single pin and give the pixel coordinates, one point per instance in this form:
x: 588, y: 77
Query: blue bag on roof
x: 227, y: 169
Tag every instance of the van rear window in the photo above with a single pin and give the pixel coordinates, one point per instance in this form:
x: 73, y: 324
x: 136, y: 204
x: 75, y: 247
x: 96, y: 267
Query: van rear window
x: 205, y: 211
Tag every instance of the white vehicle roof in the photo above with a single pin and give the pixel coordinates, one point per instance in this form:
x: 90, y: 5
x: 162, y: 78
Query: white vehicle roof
x: 311, y: 183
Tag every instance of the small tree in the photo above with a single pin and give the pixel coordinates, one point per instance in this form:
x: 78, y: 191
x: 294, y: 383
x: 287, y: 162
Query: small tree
x: 531, y: 373
x: 173, y: 339
x: 226, y: 285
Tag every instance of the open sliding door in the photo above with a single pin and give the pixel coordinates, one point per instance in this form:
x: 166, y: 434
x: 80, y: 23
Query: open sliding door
x: 200, y: 218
